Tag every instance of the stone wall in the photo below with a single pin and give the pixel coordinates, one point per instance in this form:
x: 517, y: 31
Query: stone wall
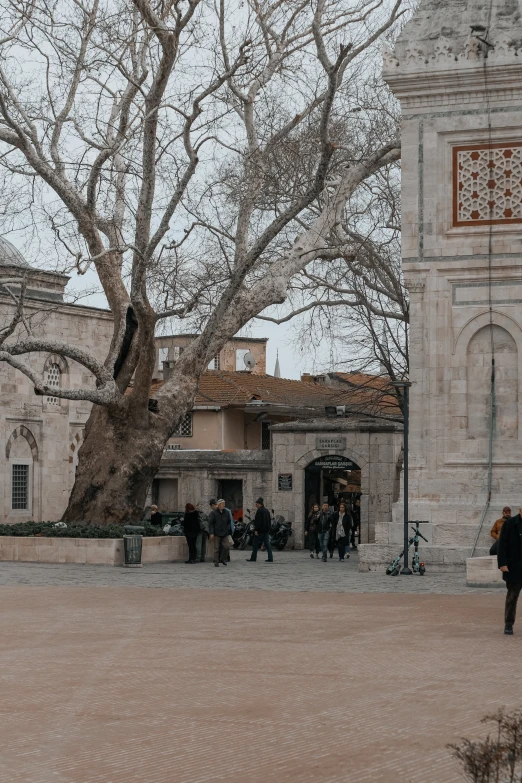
x: 43, y: 433
x: 373, y: 445
x: 198, y: 474
x: 462, y: 220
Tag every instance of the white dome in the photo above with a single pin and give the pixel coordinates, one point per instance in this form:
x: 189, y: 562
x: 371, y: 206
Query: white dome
x: 10, y: 256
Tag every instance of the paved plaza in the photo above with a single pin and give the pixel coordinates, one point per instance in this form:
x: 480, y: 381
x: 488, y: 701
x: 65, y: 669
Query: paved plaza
x: 291, y: 570
x: 288, y: 673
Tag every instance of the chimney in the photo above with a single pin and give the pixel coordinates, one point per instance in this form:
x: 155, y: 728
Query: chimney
x: 167, y: 367
x: 306, y: 377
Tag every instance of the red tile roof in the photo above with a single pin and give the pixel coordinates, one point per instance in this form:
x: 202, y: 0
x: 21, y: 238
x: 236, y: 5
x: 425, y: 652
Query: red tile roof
x: 236, y: 388
x: 232, y: 389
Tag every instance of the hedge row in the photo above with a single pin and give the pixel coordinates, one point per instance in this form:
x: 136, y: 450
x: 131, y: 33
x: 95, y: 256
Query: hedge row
x: 49, y: 530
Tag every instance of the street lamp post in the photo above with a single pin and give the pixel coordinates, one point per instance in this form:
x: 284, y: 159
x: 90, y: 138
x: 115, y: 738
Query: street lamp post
x: 405, y: 386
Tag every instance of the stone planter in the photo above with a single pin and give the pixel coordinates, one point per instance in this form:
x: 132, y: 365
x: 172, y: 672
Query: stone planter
x: 92, y: 551
x: 483, y: 572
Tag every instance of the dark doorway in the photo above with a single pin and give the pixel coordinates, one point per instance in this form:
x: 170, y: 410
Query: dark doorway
x: 332, y: 479
x: 231, y: 490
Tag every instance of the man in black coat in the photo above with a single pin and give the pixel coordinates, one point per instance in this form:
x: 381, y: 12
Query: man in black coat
x: 509, y: 558
x: 220, y: 530
x: 324, y: 525
x: 262, y: 525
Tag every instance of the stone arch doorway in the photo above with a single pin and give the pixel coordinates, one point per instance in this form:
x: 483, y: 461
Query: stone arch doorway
x: 331, y: 478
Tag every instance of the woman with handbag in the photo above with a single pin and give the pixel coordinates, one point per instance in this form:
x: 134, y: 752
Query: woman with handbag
x: 341, y: 526
x: 192, y: 528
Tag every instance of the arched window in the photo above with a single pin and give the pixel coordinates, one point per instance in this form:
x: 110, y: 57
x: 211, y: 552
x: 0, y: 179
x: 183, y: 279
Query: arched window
x: 479, y: 355
x: 22, y: 455
x: 52, y: 379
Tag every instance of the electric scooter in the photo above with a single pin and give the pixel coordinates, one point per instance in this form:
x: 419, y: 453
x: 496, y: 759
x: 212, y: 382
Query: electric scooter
x: 417, y: 566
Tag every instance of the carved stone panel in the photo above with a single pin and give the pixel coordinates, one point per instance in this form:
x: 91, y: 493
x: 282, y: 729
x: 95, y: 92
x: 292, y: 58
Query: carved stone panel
x: 487, y: 184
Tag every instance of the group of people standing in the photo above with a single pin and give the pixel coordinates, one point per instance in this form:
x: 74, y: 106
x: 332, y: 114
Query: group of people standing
x: 219, y: 529
x: 326, y: 529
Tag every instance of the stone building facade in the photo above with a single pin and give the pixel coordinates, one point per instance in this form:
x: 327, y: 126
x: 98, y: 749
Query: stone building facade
x: 370, y: 446
x: 40, y: 436
x: 457, y: 71
x: 374, y: 446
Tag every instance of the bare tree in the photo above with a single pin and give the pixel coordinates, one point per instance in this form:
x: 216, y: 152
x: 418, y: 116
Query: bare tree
x: 127, y: 129
x: 353, y: 296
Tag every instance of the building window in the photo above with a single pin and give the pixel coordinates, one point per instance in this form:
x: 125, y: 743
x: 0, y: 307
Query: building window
x: 214, y: 364
x: 184, y: 428
x: 265, y: 435
x: 52, y: 379
x: 20, y: 488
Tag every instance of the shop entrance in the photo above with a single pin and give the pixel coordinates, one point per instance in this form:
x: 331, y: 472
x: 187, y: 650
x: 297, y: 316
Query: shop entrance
x: 330, y: 479
x: 231, y: 490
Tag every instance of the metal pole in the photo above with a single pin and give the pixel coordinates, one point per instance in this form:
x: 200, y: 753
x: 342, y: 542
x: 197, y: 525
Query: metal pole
x: 405, y: 569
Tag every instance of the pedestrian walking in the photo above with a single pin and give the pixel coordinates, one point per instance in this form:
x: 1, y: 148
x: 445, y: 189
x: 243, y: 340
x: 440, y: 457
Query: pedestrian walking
x: 340, y: 531
x: 262, y: 525
x: 356, y: 523
x: 497, y: 527
x: 201, y: 541
x: 509, y: 558
x: 332, y: 541
x: 192, y: 528
x: 312, y: 530
x: 232, y: 528
x: 324, y: 525
x: 220, y: 532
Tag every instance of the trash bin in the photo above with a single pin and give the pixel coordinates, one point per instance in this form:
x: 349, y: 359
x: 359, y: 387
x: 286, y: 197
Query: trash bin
x: 132, y: 546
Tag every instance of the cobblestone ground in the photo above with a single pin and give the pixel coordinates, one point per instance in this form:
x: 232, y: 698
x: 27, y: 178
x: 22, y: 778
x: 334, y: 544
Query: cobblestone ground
x: 325, y: 675
x: 290, y: 571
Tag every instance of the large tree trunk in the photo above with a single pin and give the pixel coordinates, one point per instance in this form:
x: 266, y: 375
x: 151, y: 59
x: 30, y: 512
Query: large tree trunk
x: 117, y: 462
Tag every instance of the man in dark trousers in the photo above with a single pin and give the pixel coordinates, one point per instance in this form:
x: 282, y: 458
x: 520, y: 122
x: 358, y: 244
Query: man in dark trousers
x: 323, y: 528
x: 262, y: 524
x: 220, y: 530
x: 509, y: 557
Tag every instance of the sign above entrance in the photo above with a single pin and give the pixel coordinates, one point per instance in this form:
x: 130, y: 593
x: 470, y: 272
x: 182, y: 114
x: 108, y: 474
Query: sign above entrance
x: 334, y: 462
x: 284, y: 482
x: 329, y: 443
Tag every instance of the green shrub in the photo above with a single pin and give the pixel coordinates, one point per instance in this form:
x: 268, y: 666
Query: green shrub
x: 73, y: 530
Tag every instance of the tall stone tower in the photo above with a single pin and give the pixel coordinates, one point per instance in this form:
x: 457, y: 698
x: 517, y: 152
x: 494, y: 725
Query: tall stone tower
x: 457, y: 71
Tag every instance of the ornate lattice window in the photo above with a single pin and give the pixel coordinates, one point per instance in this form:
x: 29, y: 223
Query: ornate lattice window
x: 53, y: 380
x: 487, y: 184
x: 20, y: 487
x: 184, y: 428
